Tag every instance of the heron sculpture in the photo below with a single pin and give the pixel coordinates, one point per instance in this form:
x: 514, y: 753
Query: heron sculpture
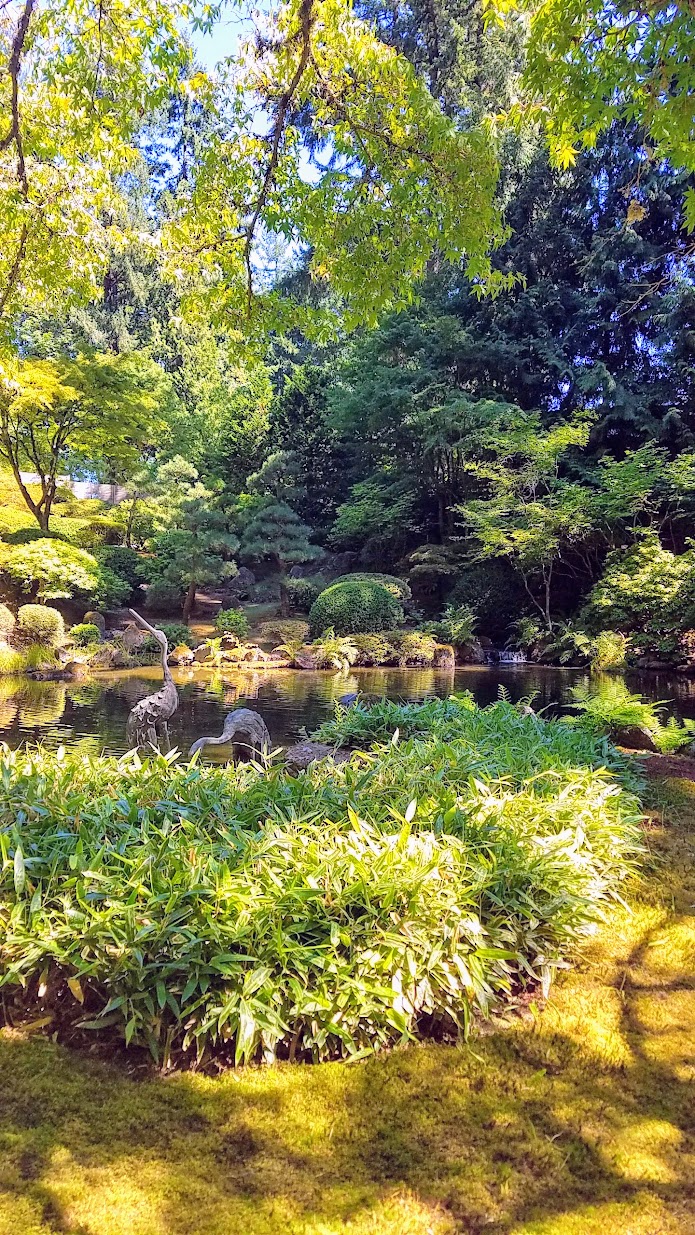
x: 147, y: 722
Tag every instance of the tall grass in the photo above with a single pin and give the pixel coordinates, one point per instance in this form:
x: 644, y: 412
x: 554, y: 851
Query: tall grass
x: 253, y: 914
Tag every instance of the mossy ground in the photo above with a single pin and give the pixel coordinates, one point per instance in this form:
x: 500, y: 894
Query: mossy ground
x: 579, y: 1121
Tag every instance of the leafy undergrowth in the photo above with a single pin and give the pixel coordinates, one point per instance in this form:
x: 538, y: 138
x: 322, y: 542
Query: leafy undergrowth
x: 208, y: 913
x: 576, y: 1121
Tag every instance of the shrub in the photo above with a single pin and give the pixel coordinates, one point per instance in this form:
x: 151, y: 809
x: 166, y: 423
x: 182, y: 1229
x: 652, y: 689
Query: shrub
x: 124, y: 562
x: 609, y: 651
x: 646, y: 591
x: 333, y: 651
x: 373, y: 649
x: 456, y: 625
x: 84, y: 634
x: 38, y: 656
x: 413, y: 647
x: 355, y: 606
x: 326, y: 914
x: 177, y: 634
x: 162, y: 595
x: 303, y: 592
x: 40, y: 624
x: 89, y: 532
x: 53, y: 569
x: 610, y: 707
x: 288, y: 630
x: 495, y: 593
x: 397, y: 587
x: 11, y: 661
x: 232, y: 622
x: 7, y: 621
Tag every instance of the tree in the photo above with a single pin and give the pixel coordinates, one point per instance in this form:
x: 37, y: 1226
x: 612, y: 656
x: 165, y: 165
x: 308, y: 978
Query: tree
x: 95, y: 412
x: 590, y: 64
x: 197, y: 546
x: 394, y: 180
x: 273, y: 529
x: 73, y: 91
x: 531, y: 514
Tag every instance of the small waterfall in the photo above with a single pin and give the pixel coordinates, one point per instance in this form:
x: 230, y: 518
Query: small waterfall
x: 502, y: 656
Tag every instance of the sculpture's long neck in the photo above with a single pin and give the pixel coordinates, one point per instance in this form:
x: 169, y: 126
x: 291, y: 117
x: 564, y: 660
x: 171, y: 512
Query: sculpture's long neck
x: 168, y: 679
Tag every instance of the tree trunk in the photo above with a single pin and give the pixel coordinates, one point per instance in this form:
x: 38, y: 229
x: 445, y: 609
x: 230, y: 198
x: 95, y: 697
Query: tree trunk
x: 284, y: 597
x: 189, y: 602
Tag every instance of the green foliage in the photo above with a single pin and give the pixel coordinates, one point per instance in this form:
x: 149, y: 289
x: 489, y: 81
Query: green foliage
x: 457, y: 625
x: 609, y: 651
x: 333, y: 651
x: 11, y: 661
x: 353, y: 607
x: 39, y: 656
x: 84, y: 634
x: 368, y: 889
x: 162, y: 595
x: 647, y: 592
x: 588, y: 67
x: 610, y: 706
x: 291, y: 629
x: 397, y: 587
x: 303, y: 592
x: 232, y: 622
x: 196, y: 547
x: 177, y: 634
x: 413, y: 647
x: 493, y: 590
x: 273, y: 530
x: 373, y: 649
x: 53, y: 569
x: 7, y: 621
x: 124, y: 562
x: 40, y: 624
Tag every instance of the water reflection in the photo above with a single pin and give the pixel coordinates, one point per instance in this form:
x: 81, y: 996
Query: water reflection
x: 291, y: 702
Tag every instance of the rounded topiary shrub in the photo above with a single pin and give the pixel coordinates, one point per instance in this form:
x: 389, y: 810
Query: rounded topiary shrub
x: 354, y: 606
x: 232, y: 622
x: 398, y: 587
x: 6, y: 623
x: 40, y: 624
x: 84, y: 634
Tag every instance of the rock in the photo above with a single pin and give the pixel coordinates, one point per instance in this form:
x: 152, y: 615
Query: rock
x: 302, y: 754
x: 201, y: 653
x: 485, y: 642
x: 75, y: 670
x: 109, y: 657
x: 253, y: 653
x: 634, y: 737
x: 93, y: 618
x: 305, y: 658
x: 181, y: 655
x: 132, y: 639
x: 239, y: 588
x: 472, y: 653
x: 444, y: 657
x: 650, y: 662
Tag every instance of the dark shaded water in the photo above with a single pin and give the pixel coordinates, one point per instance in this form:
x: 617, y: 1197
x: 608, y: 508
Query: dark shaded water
x: 290, y: 701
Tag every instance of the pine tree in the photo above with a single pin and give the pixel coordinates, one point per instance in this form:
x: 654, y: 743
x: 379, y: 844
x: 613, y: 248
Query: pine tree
x: 274, y: 529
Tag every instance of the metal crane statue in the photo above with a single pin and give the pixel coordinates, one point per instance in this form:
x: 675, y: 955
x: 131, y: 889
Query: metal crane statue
x: 247, y: 733
x: 147, y: 722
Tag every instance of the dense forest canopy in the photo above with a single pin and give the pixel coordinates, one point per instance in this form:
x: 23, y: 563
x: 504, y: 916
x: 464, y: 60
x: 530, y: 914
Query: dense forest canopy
x: 397, y: 282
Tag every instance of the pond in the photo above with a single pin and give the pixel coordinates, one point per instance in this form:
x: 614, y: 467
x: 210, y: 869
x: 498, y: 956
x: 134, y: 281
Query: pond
x: 291, y: 701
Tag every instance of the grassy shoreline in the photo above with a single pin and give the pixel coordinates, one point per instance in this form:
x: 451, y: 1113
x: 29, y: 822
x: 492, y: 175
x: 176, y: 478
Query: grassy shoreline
x: 576, y: 1120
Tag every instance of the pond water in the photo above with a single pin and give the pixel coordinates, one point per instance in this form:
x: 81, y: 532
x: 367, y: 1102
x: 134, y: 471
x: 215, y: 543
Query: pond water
x: 290, y: 701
